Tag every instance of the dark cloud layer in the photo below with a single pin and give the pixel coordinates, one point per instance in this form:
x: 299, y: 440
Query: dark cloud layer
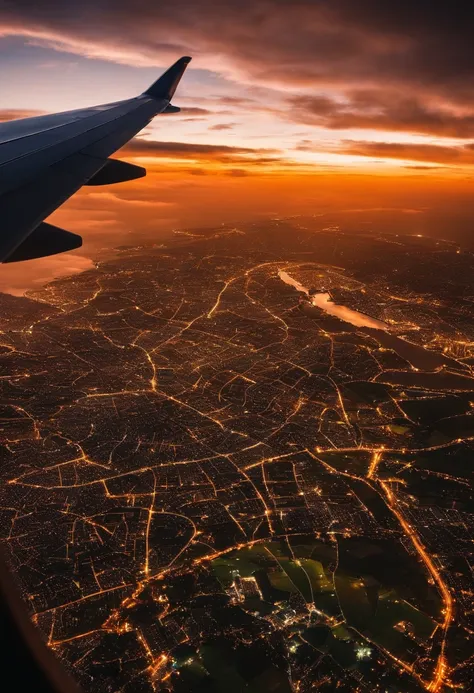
x: 462, y: 155
x: 422, y: 45
x: 378, y: 110
x: 205, y: 152
x: 222, y: 126
x: 194, y: 111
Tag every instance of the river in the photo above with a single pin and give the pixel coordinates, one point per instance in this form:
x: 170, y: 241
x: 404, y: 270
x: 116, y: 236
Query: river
x: 416, y: 355
x: 324, y: 301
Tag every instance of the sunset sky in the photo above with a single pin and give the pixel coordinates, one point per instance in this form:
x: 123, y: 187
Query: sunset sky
x: 360, y: 111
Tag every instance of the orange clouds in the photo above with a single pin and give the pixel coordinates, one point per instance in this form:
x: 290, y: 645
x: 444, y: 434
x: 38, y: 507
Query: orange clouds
x: 454, y: 155
x: 14, y: 113
x: 378, y: 109
x: 140, y: 147
x: 344, y: 69
x: 421, y: 47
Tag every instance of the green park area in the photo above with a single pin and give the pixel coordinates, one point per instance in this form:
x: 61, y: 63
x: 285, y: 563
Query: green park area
x: 345, y: 607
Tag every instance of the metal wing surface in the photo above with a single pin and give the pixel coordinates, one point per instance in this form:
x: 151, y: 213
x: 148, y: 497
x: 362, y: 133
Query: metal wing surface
x: 45, y: 160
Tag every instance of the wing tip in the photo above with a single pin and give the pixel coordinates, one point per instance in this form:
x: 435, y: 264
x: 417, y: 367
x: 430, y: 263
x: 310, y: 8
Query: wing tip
x: 165, y: 86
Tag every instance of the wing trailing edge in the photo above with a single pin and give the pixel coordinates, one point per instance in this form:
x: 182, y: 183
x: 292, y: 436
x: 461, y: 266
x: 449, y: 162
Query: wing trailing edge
x: 45, y: 240
x: 116, y: 171
x: 171, y: 109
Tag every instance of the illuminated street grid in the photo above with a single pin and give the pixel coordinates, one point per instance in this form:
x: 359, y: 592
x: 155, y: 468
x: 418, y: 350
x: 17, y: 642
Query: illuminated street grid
x: 210, y: 484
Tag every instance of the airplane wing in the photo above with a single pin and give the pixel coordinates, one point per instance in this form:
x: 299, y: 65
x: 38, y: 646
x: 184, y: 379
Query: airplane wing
x: 45, y: 160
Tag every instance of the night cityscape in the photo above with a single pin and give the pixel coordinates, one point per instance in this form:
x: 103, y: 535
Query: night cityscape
x: 210, y: 482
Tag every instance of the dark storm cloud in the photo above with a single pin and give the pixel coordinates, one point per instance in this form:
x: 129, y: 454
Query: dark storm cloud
x: 423, y: 45
x: 205, y: 152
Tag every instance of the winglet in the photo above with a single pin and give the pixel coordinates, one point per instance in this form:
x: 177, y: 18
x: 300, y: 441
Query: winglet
x: 165, y: 86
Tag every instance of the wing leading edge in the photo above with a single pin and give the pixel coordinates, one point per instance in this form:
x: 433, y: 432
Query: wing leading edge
x: 45, y: 160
